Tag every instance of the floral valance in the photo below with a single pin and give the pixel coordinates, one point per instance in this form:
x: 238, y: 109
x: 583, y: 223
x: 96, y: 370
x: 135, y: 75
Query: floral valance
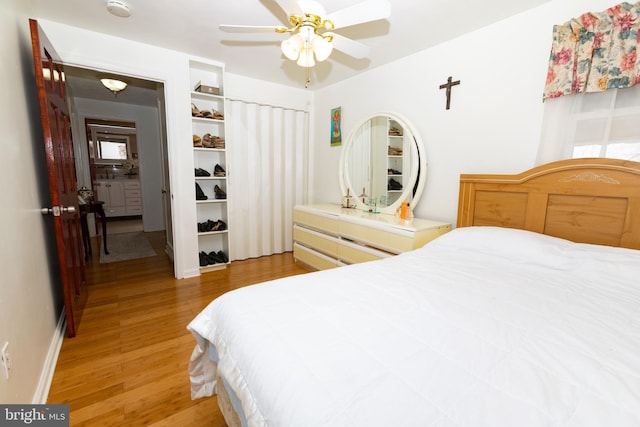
x: 595, y: 52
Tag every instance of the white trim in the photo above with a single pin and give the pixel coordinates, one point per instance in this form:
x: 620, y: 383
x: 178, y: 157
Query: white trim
x: 46, y: 377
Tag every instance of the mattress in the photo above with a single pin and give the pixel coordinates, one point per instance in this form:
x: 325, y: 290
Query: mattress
x: 483, y: 326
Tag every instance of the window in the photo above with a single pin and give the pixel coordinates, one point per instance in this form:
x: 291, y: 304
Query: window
x: 600, y: 124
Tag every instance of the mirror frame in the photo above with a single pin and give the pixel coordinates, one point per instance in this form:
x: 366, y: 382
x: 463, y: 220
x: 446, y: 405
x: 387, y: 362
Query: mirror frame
x: 122, y: 139
x: 417, y: 178
x: 116, y: 131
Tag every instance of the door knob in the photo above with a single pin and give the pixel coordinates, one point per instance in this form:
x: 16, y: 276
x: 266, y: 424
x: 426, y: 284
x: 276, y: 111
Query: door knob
x: 57, y: 210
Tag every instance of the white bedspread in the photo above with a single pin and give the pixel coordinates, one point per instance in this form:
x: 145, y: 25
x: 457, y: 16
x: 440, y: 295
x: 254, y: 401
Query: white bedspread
x: 482, y: 327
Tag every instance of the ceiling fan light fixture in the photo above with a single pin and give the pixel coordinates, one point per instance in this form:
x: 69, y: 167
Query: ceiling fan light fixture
x: 307, y: 34
x: 306, y: 58
x: 114, y: 85
x: 312, y: 39
x: 292, y: 46
x: 322, y: 48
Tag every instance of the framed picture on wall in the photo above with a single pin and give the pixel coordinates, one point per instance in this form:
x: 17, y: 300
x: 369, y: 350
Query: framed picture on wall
x: 336, y: 132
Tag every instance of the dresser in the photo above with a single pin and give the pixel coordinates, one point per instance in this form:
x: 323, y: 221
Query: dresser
x: 121, y: 197
x: 327, y: 236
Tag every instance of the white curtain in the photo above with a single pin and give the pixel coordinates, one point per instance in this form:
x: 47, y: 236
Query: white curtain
x: 555, y: 144
x: 601, y: 124
x: 359, y: 165
x: 267, y: 150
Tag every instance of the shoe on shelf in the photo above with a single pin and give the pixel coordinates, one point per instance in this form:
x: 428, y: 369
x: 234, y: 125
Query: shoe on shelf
x: 393, y: 151
x: 207, y: 142
x: 200, y: 194
x: 203, y: 259
x: 209, y: 226
x: 223, y: 256
x: 197, y: 141
x: 202, y: 172
x: 220, y: 194
x: 205, y: 227
x: 219, y: 171
x: 214, y: 258
x: 218, y: 142
x: 394, y: 131
x: 218, y: 115
x: 212, y: 141
x: 195, y: 112
x: 393, y: 172
x: 218, y: 225
x: 394, y: 185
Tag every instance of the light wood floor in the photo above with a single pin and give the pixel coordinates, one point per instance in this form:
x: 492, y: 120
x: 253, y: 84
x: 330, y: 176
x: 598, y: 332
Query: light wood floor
x: 127, y: 366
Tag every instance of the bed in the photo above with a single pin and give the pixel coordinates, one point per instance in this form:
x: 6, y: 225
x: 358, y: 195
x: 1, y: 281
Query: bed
x: 526, y: 314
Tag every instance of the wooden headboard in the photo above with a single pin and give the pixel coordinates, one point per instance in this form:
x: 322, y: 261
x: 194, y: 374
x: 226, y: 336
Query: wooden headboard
x: 584, y: 200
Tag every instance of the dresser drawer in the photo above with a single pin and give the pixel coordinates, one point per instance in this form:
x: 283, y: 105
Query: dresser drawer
x: 132, y: 193
x: 133, y: 202
x: 312, y: 258
x: 327, y: 223
x: 134, y: 210
x: 131, y: 185
x: 313, y: 239
x: 352, y: 253
x: 326, y: 236
x: 391, y: 240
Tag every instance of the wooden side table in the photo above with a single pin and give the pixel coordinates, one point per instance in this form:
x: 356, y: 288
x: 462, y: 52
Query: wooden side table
x: 95, y: 207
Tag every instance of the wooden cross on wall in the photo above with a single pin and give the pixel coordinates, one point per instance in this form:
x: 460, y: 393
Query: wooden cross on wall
x: 448, y: 85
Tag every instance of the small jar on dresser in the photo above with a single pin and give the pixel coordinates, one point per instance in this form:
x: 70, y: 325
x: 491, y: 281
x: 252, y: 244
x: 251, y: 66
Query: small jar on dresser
x: 327, y: 236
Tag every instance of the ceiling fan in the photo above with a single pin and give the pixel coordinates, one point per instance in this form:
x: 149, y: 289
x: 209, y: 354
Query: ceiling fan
x: 312, y: 28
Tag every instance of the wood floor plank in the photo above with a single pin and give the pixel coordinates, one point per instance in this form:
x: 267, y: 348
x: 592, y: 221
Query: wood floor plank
x: 127, y: 365
x: 204, y: 410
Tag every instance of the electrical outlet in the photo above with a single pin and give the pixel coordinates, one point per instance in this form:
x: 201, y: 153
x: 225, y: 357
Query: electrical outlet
x: 5, y: 357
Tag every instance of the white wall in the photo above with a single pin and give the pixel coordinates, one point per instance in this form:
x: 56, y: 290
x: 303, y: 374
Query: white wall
x: 30, y: 296
x: 149, y: 150
x: 494, y: 122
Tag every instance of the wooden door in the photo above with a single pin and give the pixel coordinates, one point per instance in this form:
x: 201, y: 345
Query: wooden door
x: 56, y: 132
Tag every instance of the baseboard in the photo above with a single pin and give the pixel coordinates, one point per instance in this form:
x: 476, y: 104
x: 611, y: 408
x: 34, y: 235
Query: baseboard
x: 46, y: 377
x: 168, y: 248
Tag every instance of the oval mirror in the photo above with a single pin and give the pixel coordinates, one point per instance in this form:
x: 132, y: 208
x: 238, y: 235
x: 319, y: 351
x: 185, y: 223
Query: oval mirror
x: 383, y: 163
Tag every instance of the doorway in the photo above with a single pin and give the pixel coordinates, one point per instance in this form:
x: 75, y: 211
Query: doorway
x: 140, y: 107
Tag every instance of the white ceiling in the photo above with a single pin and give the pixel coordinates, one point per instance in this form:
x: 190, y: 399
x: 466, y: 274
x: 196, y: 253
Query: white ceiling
x: 191, y: 26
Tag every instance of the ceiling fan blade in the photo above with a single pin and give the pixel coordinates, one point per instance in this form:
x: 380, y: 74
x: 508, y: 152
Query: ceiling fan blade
x: 248, y: 29
x: 350, y: 47
x: 290, y: 7
x: 367, y: 11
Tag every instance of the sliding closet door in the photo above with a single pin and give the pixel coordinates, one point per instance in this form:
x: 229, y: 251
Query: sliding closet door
x: 267, y: 153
